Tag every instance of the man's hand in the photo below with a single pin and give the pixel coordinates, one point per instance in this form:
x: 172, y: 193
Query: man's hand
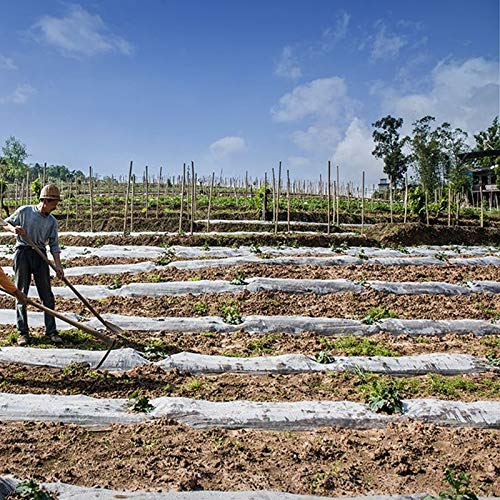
x: 60, y: 272
x: 20, y: 231
x: 20, y: 296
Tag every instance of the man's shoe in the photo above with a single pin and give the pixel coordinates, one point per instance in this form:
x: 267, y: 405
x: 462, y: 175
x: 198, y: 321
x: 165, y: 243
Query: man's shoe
x: 54, y: 338
x: 23, y: 339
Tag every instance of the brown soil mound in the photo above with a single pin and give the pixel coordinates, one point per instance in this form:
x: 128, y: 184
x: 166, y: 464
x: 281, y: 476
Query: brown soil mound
x: 420, y: 234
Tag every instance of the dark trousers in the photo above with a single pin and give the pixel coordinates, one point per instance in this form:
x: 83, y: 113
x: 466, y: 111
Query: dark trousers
x: 26, y: 263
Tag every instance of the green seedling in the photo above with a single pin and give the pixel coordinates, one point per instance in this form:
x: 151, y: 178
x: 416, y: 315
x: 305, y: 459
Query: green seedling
x: 441, y: 256
x: 324, y: 357
x: 353, y: 345
x: 459, y: 487
x: 116, y: 283
x: 254, y: 248
x: 193, y: 385
x: 165, y: 258
x: 239, y: 279
x: 75, y: 368
x: 205, y: 246
x: 30, y: 490
x: 157, y: 348
x: 384, y: 397
x: 194, y: 278
x: 377, y: 313
x: 340, y: 248
x: 264, y: 344
x: 362, y: 255
x: 139, y: 403
x: 12, y: 337
x: 402, y: 250
x: 230, y: 314
x: 493, y: 360
x: 200, y: 308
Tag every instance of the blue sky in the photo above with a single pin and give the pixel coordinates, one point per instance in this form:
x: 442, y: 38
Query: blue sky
x: 239, y: 85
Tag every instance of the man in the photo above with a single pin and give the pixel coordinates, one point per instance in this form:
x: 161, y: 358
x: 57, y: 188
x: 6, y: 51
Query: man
x: 37, y: 222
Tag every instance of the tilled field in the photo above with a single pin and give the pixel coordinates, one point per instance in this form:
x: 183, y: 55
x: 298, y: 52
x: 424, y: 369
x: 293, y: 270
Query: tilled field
x: 407, y: 454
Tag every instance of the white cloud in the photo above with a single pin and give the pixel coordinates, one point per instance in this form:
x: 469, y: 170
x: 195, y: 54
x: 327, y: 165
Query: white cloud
x: 227, y: 146
x: 288, y: 66
x: 386, y: 46
x: 79, y: 34
x: 464, y: 94
x: 298, y: 162
x: 322, y: 97
x: 353, y: 154
x: 7, y: 63
x: 318, y: 137
x: 333, y: 35
x: 20, y: 95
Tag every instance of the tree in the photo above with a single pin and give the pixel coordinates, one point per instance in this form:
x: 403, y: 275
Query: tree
x: 452, y: 170
x: 389, y: 147
x: 15, y: 153
x: 426, y: 154
x: 488, y: 139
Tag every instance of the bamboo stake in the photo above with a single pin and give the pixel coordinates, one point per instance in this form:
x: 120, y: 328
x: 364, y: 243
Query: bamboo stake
x: 278, y: 190
x: 132, y: 204
x: 91, y: 201
x: 406, y: 199
x: 147, y: 191
x: 193, y: 197
x: 288, y: 200
x: 328, y: 199
x: 274, y: 199
x: 426, y: 207
x: 390, y: 198
x: 482, y: 205
x: 182, y: 196
x: 338, y: 197
x: 158, y: 196
x: 68, y: 205
x: 126, y: 198
x: 210, y: 200
x: 264, y: 198
x: 362, y: 201
x: 449, y: 205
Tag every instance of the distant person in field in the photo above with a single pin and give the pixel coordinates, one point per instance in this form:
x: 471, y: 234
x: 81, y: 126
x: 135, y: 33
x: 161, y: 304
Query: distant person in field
x: 37, y: 222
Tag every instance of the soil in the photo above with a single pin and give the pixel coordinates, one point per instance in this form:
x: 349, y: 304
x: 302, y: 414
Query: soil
x: 341, y: 305
x: 161, y: 455
x: 447, y: 273
x: 152, y: 381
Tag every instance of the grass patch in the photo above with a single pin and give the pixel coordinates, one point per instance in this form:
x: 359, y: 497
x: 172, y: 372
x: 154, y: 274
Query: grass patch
x: 378, y: 313
x: 351, y: 345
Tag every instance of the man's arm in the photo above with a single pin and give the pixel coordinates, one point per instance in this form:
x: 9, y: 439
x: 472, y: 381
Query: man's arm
x: 59, y: 267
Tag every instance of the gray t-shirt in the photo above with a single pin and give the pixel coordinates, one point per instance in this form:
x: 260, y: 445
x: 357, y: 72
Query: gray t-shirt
x: 40, y: 228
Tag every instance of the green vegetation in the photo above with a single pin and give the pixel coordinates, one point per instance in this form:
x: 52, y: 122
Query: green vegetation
x: 200, y: 309
x: 459, y: 487
x: 352, y: 345
x: 138, y: 403
x: 239, y: 279
x: 376, y: 314
x: 30, y: 490
x: 383, y: 396
x: 264, y: 344
x: 230, y: 313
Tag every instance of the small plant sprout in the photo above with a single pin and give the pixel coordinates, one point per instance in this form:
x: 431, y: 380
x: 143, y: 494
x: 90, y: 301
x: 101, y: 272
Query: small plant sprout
x: 205, y: 246
x: 200, y: 308
x: 377, y: 313
x: 339, y: 248
x: 76, y: 368
x: 230, y: 313
x: 30, y: 490
x: 116, y: 283
x: 459, y: 487
x: 362, y: 255
x: 165, y: 258
x: 239, y: 279
x: 441, y: 256
x: 139, y: 403
x: 384, y: 397
x: 324, y: 357
x: 254, y: 248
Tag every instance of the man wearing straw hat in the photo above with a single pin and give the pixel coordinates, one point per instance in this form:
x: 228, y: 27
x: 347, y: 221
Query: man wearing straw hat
x: 38, y: 224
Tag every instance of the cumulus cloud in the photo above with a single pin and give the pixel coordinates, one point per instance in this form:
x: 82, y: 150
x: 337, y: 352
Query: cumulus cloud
x: 465, y: 94
x: 385, y: 45
x: 7, y: 63
x: 318, y: 137
x: 227, y: 146
x: 298, y: 162
x: 287, y: 66
x: 21, y: 94
x: 79, y: 34
x: 322, y: 97
x: 354, y: 154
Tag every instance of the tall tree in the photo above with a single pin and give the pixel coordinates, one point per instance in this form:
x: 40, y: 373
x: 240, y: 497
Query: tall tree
x: 15, y: 154
x: 426, y: 154
x: 488, y: 139
x: 389, y: 147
